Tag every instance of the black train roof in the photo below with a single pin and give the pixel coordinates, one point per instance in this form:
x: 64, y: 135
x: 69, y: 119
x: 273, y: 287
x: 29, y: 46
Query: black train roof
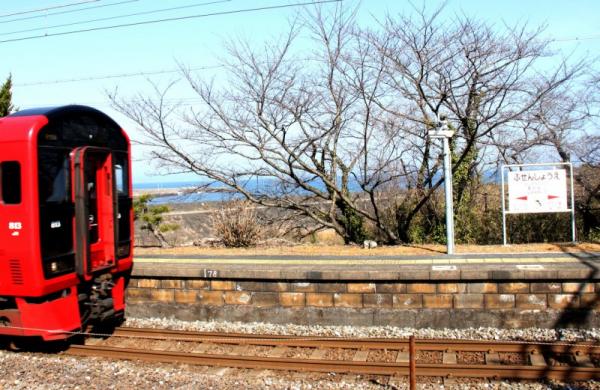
x: 76, y: 125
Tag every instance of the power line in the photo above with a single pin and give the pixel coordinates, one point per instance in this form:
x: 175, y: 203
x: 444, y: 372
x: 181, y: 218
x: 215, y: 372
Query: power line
x: 115, y: 76
x: 177, y: 70
x: 117, y: 16
x: 238, y: 11
x: 583, y: 38
x: 174, y: 70
x: 185, y: 101
x: 66, y: 12
x: 134, y: 74
x: 48, y: 8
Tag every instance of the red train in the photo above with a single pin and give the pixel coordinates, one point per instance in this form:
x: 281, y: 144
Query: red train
x: 66, y: 221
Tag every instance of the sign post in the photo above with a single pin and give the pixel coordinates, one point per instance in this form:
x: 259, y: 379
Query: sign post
x: 445, y: 133
x: 538, y: 191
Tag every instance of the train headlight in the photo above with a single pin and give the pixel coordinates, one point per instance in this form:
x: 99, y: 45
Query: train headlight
x: 123, y: 251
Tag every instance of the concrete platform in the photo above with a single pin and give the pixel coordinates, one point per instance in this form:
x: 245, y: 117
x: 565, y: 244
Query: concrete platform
x: 508, y: 290
x: 437, y: 267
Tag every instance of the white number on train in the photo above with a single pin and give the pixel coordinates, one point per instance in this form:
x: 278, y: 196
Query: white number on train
x: 15, y: 225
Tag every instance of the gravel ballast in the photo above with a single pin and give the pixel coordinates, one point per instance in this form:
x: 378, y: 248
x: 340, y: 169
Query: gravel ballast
x: 525, y: 334
x: 42, y: 371
x: 22, y: 371
x: 25, y: 370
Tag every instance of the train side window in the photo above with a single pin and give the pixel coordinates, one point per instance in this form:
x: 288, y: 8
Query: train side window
x: 121, y: 174
x: 119, y: 179
x: 10, y: 182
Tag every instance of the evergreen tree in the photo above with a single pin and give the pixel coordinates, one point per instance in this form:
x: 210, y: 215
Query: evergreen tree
x: 151, y: 218
x: 6, y: 106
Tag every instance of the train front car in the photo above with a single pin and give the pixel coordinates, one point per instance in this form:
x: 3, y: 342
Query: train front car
x: 66, y: 221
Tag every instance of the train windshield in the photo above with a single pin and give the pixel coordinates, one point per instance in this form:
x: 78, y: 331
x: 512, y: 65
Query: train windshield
x: 56, y: 211
x: 54, y: 175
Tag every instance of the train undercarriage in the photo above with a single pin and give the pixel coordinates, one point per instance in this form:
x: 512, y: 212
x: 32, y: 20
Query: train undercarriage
x: 67, y: 312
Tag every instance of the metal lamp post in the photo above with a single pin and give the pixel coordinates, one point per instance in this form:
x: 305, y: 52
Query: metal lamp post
x: 443, y: 131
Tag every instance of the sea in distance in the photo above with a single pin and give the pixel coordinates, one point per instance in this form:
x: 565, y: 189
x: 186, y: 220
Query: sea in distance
x: 198, y: 192
x: 179, y: 192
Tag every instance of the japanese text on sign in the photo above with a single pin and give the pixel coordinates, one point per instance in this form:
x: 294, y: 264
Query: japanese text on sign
x: 537, y: 176
x: 541, y: 191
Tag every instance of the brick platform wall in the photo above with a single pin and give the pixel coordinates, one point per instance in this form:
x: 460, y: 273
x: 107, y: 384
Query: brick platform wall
x: 438, y: 303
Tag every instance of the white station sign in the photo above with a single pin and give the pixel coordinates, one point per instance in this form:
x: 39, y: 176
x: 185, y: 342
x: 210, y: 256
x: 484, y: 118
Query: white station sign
x: 541, y: 191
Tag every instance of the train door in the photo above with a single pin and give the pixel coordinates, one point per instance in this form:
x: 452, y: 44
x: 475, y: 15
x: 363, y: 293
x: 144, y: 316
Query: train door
x: 95, y: 206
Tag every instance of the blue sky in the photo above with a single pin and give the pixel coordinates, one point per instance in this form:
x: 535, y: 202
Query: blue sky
x: 40, y: 66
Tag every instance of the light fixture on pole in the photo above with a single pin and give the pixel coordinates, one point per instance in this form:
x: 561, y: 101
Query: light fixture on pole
x: 445, y: 133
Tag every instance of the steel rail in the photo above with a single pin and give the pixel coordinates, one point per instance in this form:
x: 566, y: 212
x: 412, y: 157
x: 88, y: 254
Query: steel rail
x: 372, y: 368
x: 359, y: 343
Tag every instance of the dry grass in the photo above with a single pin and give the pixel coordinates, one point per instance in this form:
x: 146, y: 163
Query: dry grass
x: 325, y: 237
x: 237, y: 226
x: 346, y: 250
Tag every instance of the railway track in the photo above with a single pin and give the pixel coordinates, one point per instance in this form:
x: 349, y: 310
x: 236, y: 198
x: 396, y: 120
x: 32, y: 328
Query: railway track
x: 388, y: 357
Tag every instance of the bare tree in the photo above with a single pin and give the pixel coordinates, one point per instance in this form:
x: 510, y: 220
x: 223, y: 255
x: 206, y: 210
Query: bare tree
x: 336, y: 132
x: 308, y: 126
x: 563, y: 127
x: 484, y: 78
